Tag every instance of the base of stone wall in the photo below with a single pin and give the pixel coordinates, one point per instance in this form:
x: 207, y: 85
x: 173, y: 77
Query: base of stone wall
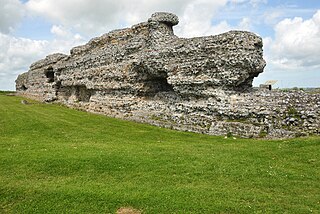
x: 256, y: 114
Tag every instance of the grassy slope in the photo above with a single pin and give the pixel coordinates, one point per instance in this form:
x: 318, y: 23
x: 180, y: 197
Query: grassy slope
x: 58, y: 160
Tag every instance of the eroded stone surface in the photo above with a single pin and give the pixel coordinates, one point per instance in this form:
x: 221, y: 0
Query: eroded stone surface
x: 146, y: 73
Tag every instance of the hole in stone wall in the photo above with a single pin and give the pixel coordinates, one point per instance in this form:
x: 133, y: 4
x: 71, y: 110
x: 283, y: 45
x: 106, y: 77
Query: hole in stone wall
x: 57, y: 86
x: 258, y: 44
x: 49, y: 74
x: 161, y: 85
x: 151, y: 81
x: 64, y: 92
x: 156, y: 85
x: 82, y: 93
x: 23, y: 88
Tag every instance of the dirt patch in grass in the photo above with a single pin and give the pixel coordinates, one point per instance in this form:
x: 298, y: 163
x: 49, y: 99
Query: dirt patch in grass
x: 128, y: 210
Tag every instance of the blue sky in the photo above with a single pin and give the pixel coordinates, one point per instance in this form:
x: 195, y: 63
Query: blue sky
x: 32, y: 29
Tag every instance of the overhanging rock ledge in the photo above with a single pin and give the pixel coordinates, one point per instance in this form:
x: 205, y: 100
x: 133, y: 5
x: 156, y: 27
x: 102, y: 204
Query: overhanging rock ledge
x: 145, y: 73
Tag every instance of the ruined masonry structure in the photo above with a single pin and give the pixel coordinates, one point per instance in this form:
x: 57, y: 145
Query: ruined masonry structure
x: 145, y: 73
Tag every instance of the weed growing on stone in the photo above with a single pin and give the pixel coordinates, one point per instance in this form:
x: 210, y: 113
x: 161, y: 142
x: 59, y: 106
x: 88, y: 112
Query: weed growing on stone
x: 263, y: 133
x: 293, y: 112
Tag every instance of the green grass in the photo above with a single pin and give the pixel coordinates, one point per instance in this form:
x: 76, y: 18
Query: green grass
x: 58, y: 160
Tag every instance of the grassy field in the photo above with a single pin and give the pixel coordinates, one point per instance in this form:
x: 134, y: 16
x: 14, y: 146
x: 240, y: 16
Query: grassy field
x: 58, y: 160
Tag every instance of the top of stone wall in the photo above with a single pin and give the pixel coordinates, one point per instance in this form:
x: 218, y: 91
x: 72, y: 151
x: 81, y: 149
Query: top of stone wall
x: 149, y: 51
x: 167, y: 18
x: 50, y: 59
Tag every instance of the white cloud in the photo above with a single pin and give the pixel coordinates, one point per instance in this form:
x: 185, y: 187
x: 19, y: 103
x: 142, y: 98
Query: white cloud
x: 105, y: 15
x: 17, y: 54
x: 64, y: 44
x: 90, y: 19
x: 256, y: 3
x: 102, y: 15
x: 293, y: 54
x: 206, y: 28
x: 297, y: 43
x: 19, y: 51
x: 82, y: 15
x: 59, y: 31
x: 253, y: 3
x: 245, y: 23
x: 274, y: 15
x: 11, y: 12
x: 271, y: 16
x: 197, y: 18
x: 64, y: 39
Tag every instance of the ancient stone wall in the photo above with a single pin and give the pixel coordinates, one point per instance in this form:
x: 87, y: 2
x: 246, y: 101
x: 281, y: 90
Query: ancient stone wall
x: 147, y: 74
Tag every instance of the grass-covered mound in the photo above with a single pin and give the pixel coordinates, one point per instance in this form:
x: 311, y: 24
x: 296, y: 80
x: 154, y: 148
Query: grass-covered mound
x: 58, y: 160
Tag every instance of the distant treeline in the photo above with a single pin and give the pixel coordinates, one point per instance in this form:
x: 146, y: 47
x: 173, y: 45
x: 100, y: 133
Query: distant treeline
x: 6, y: 92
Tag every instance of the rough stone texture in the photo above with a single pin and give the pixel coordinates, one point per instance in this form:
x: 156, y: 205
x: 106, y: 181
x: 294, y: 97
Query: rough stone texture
x: 147, y: 74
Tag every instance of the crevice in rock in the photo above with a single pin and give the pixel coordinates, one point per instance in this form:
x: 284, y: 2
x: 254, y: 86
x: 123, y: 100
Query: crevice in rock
x: 49, y: 74
x: 23, y: 88
x: 82, y: 93
x: 161, y: 84
x: 57, y: 86
x: 156, y: 85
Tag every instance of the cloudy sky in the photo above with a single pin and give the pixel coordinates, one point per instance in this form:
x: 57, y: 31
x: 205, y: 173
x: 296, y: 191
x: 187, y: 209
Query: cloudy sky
x: 32, y: 29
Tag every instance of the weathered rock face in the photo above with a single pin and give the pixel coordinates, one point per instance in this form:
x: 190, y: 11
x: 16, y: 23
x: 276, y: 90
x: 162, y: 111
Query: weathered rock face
x: 146, y: 73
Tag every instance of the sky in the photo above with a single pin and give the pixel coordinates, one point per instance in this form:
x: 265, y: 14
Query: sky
x: 32, y: 29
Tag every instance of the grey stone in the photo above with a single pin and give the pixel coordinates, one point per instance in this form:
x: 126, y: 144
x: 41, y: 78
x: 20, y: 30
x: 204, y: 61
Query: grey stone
x: 145, y: 73
x: 24, y: 102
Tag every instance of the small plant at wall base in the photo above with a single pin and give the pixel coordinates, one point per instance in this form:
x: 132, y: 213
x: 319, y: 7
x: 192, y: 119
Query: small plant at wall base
x: 263, y: 133
x: 229, y: 134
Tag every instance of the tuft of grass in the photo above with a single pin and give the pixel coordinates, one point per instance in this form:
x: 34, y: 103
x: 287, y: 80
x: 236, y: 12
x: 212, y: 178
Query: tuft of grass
x: 293, y: 112
x: 263, y: 133
x: 59, y: 160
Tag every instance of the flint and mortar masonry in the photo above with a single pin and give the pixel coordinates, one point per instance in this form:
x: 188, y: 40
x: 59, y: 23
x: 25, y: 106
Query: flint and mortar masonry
x: 145, y: 73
